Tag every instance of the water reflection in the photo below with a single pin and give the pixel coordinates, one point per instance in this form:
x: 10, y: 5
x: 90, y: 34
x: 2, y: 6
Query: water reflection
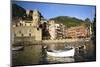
x: 36, y: 54
x: 60, y: 60
x: 30, y: 55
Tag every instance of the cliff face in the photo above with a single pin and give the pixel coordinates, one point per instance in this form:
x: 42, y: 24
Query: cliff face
x: 17, y: 11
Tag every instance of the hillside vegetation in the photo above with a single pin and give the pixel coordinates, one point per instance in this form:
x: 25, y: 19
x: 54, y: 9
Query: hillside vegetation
x: 70, y: 21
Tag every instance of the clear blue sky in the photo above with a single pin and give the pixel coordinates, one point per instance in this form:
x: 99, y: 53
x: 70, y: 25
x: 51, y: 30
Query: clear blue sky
x: 50, y: 10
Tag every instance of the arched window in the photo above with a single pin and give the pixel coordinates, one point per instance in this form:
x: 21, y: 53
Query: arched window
x: 30, y: 34
x: 25, y: 24
x: 15, y: 35
x: 30, y: 25
x: 22, y: 34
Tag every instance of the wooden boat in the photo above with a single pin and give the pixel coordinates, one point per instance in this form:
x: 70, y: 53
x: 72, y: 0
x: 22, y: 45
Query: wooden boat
x: 17, y: 48
x: 69, y: 52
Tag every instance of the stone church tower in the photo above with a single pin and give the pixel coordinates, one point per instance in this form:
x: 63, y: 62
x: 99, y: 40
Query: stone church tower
x: 28, y: 28
x: 36, y: 17
x: 35, y: 22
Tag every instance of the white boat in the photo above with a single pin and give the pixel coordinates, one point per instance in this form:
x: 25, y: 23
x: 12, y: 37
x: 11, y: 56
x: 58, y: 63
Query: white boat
x: 61, y: 53
x: 17, y: 48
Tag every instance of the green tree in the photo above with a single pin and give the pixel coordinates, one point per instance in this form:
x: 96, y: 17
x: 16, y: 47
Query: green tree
x: 87, y: 20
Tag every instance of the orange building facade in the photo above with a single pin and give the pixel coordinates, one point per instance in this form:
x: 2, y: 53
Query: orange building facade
x: 77, y: 32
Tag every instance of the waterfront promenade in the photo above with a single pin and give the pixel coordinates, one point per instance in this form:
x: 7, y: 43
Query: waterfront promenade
x: 28, y: 41
x: 65, y: 40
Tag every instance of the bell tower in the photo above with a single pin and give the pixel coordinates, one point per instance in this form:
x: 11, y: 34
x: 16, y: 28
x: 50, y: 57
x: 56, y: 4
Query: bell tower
x: 36, y: 17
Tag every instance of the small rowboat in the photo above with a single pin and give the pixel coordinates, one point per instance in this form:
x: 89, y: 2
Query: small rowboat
x: 17, y: 48
x: 61, y: 53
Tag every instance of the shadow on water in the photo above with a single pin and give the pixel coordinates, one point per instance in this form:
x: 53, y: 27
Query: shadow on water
x: 88, y: 54
x: 36, y: 55
x: 43, y: 55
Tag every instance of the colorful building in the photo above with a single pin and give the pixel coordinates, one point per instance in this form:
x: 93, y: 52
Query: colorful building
x: 77, y: 32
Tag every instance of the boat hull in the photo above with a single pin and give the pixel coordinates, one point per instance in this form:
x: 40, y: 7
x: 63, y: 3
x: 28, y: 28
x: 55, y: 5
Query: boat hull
x: 17, y: 48
x: 67, y: 53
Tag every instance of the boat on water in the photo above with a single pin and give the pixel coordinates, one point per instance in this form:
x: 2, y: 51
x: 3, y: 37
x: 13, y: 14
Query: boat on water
x: 68, y: 52
x: 18, y: 48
